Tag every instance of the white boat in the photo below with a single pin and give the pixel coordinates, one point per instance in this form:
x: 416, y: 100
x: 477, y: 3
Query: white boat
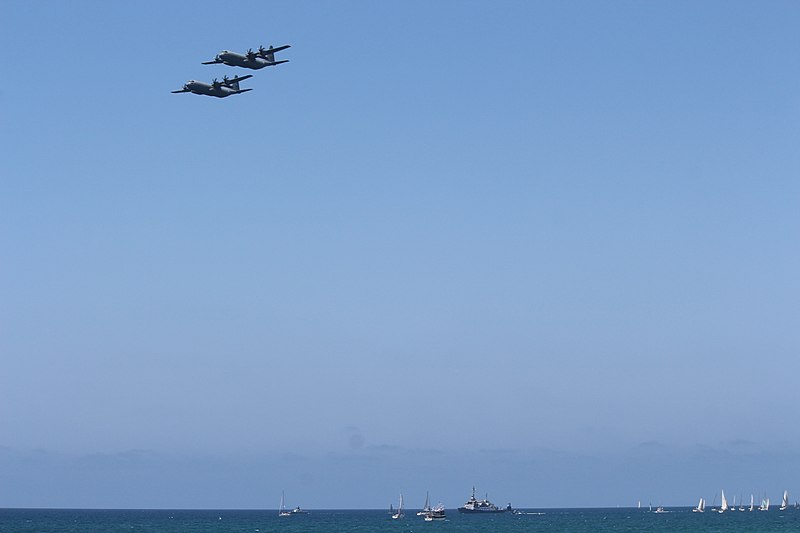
x: 764, y: 504
x: 724, y: 506
x: 427, y: 508
x: 282, y: 510
x: 785, y: 500
x: 751, y: 503
x: 399, y: 514
x: 437, y: 513
x: 701, y: 506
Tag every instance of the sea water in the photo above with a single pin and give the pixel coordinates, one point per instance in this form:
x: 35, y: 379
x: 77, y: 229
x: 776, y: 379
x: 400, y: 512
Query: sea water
x: 549, y: 520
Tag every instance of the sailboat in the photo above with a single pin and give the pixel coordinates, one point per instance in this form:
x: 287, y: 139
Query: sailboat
x: 751, y: 503
x: 427, y: 508
x: 399, y: 514
x: 724, y: 506
x: 282, y: 511
x: 785, y: 500
x: 764, y: 504
x: 701, y: 506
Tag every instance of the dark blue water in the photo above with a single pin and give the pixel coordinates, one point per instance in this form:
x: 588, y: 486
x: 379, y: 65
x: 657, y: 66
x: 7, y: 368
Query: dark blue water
x: 566, y: 520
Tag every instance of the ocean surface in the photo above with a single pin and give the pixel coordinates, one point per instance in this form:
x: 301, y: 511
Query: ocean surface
x: 567, y: 520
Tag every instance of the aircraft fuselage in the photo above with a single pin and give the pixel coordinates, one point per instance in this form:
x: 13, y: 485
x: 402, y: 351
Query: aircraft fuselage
x: 217, y: 90
x: 238, y: 60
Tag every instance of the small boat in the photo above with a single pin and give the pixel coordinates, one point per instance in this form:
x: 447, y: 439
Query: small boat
x: 785, y: 500
x: 701, y: 506
x: 399, y: 514
x: 436, y: 513
x: 724, y: 506
x: 427, y: 508
x: 751, y: 503
x: 282, y: 510
x: 660, y: 509
x: 764, y: 504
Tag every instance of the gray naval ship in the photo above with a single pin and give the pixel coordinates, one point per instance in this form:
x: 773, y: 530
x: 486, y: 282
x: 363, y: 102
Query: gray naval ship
x: 476, y: 506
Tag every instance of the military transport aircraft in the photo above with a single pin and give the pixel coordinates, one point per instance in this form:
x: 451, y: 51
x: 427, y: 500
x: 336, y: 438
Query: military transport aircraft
x: 264, y: 57
x: 220, y: 89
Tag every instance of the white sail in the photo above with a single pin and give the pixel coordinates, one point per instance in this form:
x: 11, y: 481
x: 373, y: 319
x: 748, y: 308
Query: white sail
x: 724, y: 506
x: 399, y: 514
x: 751, y: 502
x: 427, y: 508
x: 701, y: 506
x: 282, y: 510
x: 785, y: 500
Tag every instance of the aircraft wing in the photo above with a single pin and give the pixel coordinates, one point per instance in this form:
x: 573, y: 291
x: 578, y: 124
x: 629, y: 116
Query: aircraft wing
x: 243, y: 91
x: 240, y: 78
x: 211, y: 62
x: 279, y: 48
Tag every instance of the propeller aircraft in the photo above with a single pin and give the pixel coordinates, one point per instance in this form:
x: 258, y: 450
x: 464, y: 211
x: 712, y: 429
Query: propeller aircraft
x: 263, y: 57
x: 220, y: 89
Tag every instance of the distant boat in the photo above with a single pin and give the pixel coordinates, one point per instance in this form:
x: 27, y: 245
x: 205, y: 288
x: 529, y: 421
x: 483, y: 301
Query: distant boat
x: 701, y: 506
x: 639, y: 504
x: 751, y: 503
x: 660, y: 509
x: 399, y: 514
x: 475, y: 506
x: 785, y: 500
x: 764, y: 504
x: 437, y: 513
x: 427, y: 508
x: 724, y: 506
x: 282, y: 510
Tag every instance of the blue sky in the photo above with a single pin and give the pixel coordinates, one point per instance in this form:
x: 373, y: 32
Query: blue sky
x: 517, y: 245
